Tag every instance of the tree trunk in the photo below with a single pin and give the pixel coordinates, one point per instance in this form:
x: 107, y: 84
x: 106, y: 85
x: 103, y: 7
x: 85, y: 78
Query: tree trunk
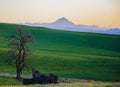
x: 18, y: 63
x: 18, y: 73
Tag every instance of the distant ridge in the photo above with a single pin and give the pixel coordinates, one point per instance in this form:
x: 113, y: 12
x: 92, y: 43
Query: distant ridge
x: 64, y: 24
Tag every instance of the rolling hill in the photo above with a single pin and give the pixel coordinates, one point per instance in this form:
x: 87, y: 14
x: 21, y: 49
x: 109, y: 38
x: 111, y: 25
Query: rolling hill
x: 66, y: 53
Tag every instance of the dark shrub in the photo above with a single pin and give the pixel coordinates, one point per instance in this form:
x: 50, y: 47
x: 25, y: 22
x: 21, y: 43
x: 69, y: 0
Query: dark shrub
x: 28, y: 81
x: 39, y: 78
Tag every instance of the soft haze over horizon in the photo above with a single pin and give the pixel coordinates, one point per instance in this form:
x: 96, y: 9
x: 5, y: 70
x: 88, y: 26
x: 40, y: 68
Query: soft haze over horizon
x: 104, y: 13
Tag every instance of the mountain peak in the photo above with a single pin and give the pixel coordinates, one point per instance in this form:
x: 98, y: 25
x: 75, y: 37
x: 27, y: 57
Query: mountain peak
x: 63, y: 21
x: 63, y: 18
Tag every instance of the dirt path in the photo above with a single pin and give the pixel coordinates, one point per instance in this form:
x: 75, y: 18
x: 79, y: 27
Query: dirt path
x: 13, y: 75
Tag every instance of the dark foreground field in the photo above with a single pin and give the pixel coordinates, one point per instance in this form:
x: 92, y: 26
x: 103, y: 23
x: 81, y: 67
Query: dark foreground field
x: 67, y: 54
x: 11, y: 82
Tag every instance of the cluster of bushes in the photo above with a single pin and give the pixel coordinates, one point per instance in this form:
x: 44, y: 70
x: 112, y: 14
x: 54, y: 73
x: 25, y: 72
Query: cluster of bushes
x: 39, y: 78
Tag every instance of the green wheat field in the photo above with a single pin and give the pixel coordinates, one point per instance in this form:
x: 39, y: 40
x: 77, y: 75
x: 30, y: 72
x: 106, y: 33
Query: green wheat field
x: 79, y: 55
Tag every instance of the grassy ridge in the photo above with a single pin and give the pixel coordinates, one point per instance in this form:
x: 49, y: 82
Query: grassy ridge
x: 69, y: 54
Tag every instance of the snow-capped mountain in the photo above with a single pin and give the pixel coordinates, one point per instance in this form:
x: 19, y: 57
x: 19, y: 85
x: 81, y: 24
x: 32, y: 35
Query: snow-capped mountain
x: 65, y: 24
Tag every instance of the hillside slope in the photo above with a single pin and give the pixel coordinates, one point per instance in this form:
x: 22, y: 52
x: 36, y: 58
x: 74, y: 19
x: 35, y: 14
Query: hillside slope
x: 68, y: 54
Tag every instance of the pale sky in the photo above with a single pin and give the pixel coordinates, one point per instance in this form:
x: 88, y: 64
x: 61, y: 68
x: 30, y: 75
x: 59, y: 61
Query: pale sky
x: 105, y: 13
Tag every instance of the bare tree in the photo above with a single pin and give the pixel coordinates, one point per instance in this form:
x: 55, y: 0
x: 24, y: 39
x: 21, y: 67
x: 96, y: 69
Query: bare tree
x: 19, y: 49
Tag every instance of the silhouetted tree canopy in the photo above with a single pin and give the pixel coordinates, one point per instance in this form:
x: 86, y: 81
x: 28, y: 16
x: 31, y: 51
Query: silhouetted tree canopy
x: 19, y: 50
